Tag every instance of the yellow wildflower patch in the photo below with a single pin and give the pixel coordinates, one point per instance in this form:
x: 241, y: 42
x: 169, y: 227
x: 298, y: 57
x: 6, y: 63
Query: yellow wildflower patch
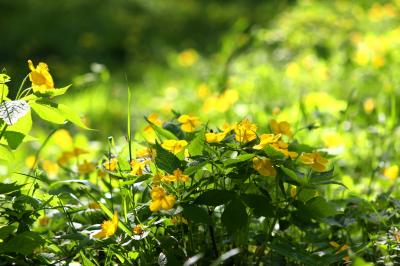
x: 245, y: 131
x: 161, y: 200
x: 282, y: 127
x: 111, y: 165
x: 174, y: 146
x: 264, y: 166
x: 391, y: 172
x: 108, y: 228
x: 315, y: 160
x: 188, y: 123
x: 266, y: 139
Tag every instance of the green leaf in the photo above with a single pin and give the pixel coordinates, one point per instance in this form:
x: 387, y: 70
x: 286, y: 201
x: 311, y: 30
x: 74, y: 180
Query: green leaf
x: 214, y: 197
x: 161, y: 131
x: 234, y: 216
x: 260, y: 204
x: 273, y: 153
x: 7, y: 230
x: 196, y: 146
x: 166, y: 160
x: 196, y: 214
x: 85, y: 260
x: 58, y: 92
x: 293, y: 252
x: 4, y: 78
x: 16, y: 133
x: 317, y: 208
x: 71, y: 116
x: 24, y: 243
x: 10, y: 187
x: 292, y: 177
x: 3, y: 90
x: 48, y: 111
x: 194, y: 168
x: 239, y: 159
x: 5, y: 153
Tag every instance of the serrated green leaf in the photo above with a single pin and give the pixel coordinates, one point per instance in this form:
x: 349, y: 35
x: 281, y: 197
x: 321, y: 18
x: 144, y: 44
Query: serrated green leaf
x: 9, y: 187
x: 5, y: 153
x: 48, y: 111
x: 166, y: 160
x: 239, y: 159
x: 4, y: 78
x: 24, y: 243
x: 292, y: 177
x: 71, y: 116
x: 260, y: 204
x: 196, y: 146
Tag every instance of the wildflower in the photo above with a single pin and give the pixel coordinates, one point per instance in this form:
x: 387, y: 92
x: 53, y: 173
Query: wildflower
x: 264, y: 166
x: 178, y: 219
x: 202, y: 90
x: 212, y: 137
x: 391, y: 172
x: 138, y: 166
x: 94, y: 205
x: 143, y: 153
x: 174, y: 146
x: 176, y: 176
x: 138, y: 229
x: 161, y: 200
x: 30, y: 161
x: 293, y: 191
x: 369, y: 105
x: 111, y: 165
x: 86, y: 167
x: 188, y: 57
x: 315, y: 160
x: 266, y: 139
x: 188, y: 123
x: 50, y: 168
x: 282, y: 127
x: 341, y: 249
x: 245, y: 131
x: 108, y: 228
x: 148, y: 131
x: 40, y: 77
x: 282, y: 147
x: 44, y: 220
x: 63, y: 139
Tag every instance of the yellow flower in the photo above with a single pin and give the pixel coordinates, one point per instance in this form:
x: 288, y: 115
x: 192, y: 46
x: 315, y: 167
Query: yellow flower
x: 343, y: 248
x: 86, y: 167
x: 188, y: 123
x: 188, y: 57
x: 315, y: 160
x: 282, y: 147
x: 391, y: 172
x: 30, y: 160
x: 174, y: 146
x: 148, y: 131
x: 138, y: 167
x: 266, y: 139
x: 281, y: 128
x: 178, y: 219
x: 264, y: 166
x: 50, y: 168
x: 63, y: 139
x: 108, y: 228
x: 40, y: 77
x: 212, y: 137
x: 177, y: 176
x: 111, y: 165
x: 161, y: 200
x: 245, y: 131
x: 94, y: 205
x: 44, y: 220
x: 293, y: 191
x: 369, y: 105
x: 137, y: 230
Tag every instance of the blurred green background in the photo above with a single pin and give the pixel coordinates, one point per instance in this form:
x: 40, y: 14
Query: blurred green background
x: 330, y: 65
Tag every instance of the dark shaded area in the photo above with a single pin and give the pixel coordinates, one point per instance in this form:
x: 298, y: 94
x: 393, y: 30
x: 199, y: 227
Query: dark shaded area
x: 126, y: 35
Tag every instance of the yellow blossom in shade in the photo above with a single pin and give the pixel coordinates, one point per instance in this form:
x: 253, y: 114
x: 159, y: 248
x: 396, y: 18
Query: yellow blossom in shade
x: 341, y: 249
x: 227, y: 128
x: 282, y: 147
x: 138, y: 167
x: 50, y: 167
x: 94, y: 205
x: 332, y: 140
x: 315, y: 160
x: 264, y: 166
x: 108, y: 228
x: 202, y: 90
x: 63, y: 139
x: 188, y: 57
x: 161, y: 200
x: 138, y: 229
x: 245, y: 131
x: 266, y: 139
x: 293, y: 191
x: 178, y: 219
x: 188, y: 123
x: 282, y: 127
x: 212, y: 137
x: 369, y: 105
x: 176, y: 176
x: 86, y: 167
x: 174, y: 146
x: 391, y: 172
x: 111, y: 165
x: 44, y: 220
x: 40, y: 77
x: 157, y: 178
